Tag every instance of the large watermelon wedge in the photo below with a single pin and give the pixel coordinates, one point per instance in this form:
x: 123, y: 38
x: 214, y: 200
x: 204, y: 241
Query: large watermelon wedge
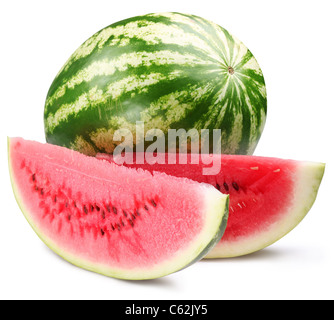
x: 114, y: 220
x: 167, y: 70
x: 268, y: 196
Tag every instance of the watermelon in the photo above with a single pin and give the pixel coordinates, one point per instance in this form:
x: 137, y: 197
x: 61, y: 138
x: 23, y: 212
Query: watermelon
x: 117, y: 221
x: 268, y: 196
x: 167, y: 71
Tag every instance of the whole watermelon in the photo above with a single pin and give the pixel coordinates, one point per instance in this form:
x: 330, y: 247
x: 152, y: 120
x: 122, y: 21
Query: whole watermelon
x: 167, y: 70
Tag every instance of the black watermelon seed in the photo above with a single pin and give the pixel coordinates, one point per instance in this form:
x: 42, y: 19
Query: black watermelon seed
x: 33, y: 177
x: 226, y: 186
x: 103, y: 214
x: 102, y: 232
x: 108, y: 208
x: 133, y: 216
x: 217, y: 186
x: 137, y: 213
x: 124, y: 213
x: 91, y: 207
x: 235, y: 185
x: 85, y: 209
x: 131, y: 222
x: 118, y: 226
x: 146, y: 207
x: 112, y: 227
x: 153, y: 203
x: 97, y: 207
x: 114, y: 210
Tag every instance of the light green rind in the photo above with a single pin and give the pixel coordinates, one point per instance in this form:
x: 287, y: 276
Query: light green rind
x: 215, y: 214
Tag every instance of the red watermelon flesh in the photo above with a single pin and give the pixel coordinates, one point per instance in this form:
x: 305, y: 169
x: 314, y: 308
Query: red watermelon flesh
x: 117, y: 221
x: 268, y: 196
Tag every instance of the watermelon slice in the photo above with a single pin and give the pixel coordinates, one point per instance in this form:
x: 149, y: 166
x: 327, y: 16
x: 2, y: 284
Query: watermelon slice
x: 117, y: 221
x: 268, y: 196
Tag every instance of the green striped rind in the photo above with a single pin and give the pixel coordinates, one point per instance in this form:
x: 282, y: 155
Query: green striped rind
x: 168, y: 70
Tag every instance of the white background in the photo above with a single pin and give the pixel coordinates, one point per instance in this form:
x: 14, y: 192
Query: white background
x: 293, y: 43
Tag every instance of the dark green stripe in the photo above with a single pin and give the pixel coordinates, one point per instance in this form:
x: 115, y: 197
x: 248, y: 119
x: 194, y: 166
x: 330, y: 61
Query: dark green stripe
x: 102, y: 81
x: 135, y: 45
x: 209, y: 29
x: 85, y: 121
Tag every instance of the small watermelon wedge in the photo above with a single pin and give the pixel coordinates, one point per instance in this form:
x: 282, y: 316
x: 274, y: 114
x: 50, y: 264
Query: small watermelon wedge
x: 117, y: 221
x: 268, y: 196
